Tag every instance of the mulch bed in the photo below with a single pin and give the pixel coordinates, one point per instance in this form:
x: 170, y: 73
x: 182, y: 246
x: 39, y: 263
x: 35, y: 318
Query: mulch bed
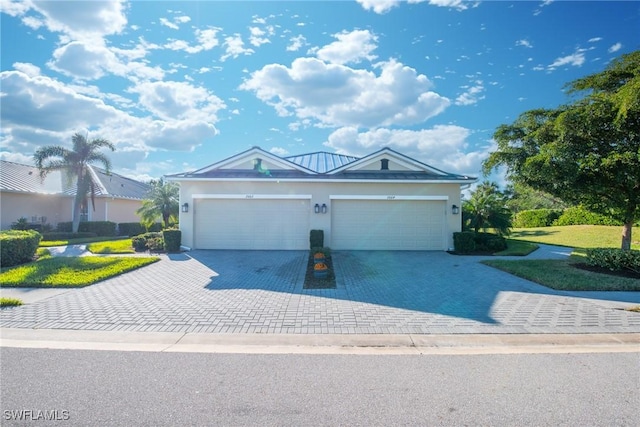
x: 311, y: 282
x: 623, y: 273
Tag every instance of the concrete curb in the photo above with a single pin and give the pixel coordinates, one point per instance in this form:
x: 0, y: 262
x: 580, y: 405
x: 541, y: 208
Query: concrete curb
x: 400, y: 344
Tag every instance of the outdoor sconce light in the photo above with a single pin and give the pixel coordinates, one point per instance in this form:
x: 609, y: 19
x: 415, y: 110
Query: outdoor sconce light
x: 185, y: 207
x: 455, y: 210
x: 324, y: 208
x: 316, y: 208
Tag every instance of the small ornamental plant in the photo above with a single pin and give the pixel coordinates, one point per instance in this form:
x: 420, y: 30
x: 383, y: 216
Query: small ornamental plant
x: 319, y: 266
x: 318, y: 256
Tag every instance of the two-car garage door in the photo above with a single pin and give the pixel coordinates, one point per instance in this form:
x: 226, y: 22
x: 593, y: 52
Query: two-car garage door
x: 388, y: 224
x: 251, y: 222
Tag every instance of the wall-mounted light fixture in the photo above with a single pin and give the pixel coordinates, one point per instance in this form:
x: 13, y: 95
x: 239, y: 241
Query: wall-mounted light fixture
x: 324, y: 208
x: 185, y: 207
x: 316, y: 208
x: 455, y: 210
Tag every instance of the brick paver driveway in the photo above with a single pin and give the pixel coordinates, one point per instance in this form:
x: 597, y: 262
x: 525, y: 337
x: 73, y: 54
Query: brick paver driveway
x: 378, y: 292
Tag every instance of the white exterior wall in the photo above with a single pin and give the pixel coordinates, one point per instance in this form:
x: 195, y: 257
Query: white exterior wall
x: 320, y: 193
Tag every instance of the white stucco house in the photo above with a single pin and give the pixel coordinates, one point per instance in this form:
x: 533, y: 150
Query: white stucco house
x: 24, y: 195
x: 258, y: 200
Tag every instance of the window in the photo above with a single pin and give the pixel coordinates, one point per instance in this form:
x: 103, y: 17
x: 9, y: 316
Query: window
x: 384, y: 164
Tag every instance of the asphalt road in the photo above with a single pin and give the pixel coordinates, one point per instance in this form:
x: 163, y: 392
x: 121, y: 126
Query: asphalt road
x: 98, y: 388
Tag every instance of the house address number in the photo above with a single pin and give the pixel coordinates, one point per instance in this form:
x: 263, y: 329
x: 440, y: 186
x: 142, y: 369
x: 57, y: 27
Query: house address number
x: 391, y: 197
x: 249, y: 196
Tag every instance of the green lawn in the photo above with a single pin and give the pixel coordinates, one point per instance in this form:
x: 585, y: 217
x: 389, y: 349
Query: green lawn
x: 10, y: 302
x: 122, y: 246
x: 49, y: 243
x: 577, y: 236
x: 67, y: 272
x: 517, y: 248
x: 562, y: 274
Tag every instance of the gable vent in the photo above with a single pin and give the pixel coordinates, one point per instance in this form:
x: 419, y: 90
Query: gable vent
x: 384, y: 164
x: 257, y: 164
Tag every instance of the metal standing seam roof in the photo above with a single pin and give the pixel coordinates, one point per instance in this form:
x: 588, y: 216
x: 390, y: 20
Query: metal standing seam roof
x: 321, y: 161
x: 19, y: 178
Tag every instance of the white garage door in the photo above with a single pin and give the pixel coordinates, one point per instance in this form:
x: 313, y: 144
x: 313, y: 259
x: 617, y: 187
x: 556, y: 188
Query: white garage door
x: 251, y: 223
x: 388, y: 224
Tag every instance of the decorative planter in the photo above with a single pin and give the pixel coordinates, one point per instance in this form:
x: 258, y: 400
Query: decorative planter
x: 321, y: 274
x: 318, y: 258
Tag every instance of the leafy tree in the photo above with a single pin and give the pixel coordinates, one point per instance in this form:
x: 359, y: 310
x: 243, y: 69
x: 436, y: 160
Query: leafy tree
x: 521, y: 197
x: 486, y: 209
x: 586, y: 152
x: 162, y: 202
x: 75, y: 163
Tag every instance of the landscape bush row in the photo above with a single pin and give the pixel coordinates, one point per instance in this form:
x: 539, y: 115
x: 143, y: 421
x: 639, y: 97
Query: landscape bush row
x: 87, y: 229
x: 18, y: 246
x: 168, y: 240
x: 576, y: 215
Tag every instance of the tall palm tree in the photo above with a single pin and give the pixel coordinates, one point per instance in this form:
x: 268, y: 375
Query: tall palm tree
x: 75, y: 164
x: 162, y: 201
x: 487, y: 209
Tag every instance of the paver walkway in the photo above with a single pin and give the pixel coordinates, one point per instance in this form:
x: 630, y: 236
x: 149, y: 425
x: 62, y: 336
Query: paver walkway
x: 378, y: 292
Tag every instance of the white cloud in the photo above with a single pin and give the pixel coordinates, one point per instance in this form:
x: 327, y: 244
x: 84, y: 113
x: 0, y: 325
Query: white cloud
x: 296, y: 43
x: 234, y: 47
x: 207, y: 40
x: 258, y: 34
x: 14, y: 8
x: 350, y: 47
x: 27, y: 68
x: 86, y: 19
x: 616, y: 47
x: 576, y: 59
x: 182, y: 19
x: 524, y: 43
x: 383, y: 6
x: 443, y: 146
x: 169, y: 24
x: 595, y: 39
x: 279, y: 151
x: 472, y: 95
x: 336, y: 95
x: 170, y: 100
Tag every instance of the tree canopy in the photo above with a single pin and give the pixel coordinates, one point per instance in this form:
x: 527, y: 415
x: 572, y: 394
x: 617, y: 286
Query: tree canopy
x: 162, y: 201
x: 486, y: 209
x: 585, y: 152
x: 75, y: 164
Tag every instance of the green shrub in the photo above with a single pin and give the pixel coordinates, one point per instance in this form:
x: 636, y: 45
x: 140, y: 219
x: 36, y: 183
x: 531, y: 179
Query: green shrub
x: 578, y: 215
x: 156, y: 227
x: 63, y: 235
x: 130, y: 229
x: 172, y: 239
x: 536, y: 218
x: 151, y: 241
x: 100, y: 228
x: 21, y: 224
x: 316, y: 238
x: 614, y: 259
x: 18, y: 246
x: 487, y: 242
x: 463, y: 242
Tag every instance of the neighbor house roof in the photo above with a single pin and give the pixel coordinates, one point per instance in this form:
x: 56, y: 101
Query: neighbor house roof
x: 321, y: 166
x: 19, y: 178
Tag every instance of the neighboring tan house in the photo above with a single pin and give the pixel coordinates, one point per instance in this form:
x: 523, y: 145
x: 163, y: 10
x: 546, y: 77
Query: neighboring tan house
x: 24, y: 195
x: 257, y: 200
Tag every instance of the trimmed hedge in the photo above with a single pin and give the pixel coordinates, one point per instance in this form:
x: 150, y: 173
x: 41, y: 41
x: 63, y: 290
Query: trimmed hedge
x: 578, y: 215
x: 316, y: 238
x: 614, y: 259
x: 100, y: 228
x: 467, y: 242
x: 18, y: 246
x: 172, y: 239
x: 155, y: 227
x: 63, y: 235
x: 536, y: 218
x: 130, y: 229
x: 151, y: 241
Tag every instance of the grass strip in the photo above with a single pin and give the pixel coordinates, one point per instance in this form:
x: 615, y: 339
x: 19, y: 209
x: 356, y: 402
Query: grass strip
x: 564, y: 276
x: 70, y: 272
x: 10, y: 302
x: 577, y: 236
x: 49, y: 243
x: 517, y: 248
x: 122, y: 246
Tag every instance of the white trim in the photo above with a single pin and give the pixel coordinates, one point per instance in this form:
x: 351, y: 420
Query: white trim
x: 253, y: 196
x: 374, y: 181
x: 389, y: 197
x: 250, y: 155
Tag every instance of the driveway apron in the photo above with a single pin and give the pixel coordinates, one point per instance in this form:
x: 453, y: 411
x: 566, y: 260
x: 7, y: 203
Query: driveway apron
x: 377, y: 292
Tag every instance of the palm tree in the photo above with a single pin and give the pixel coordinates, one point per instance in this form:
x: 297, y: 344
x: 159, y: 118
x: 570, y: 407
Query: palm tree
x: 486, y: 209
x: 162, y: 201
x: 75, y: 163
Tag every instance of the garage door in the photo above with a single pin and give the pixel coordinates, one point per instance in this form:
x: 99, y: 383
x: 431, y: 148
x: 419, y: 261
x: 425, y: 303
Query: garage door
x: 388, y: 224
x: 256, y: 223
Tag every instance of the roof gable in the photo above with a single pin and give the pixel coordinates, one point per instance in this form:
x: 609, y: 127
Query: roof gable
x: 387, y: 159
x: 254, y: 159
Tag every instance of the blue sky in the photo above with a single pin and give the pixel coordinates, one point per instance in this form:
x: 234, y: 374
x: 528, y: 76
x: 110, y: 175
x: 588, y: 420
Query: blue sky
x: 177, y: 86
